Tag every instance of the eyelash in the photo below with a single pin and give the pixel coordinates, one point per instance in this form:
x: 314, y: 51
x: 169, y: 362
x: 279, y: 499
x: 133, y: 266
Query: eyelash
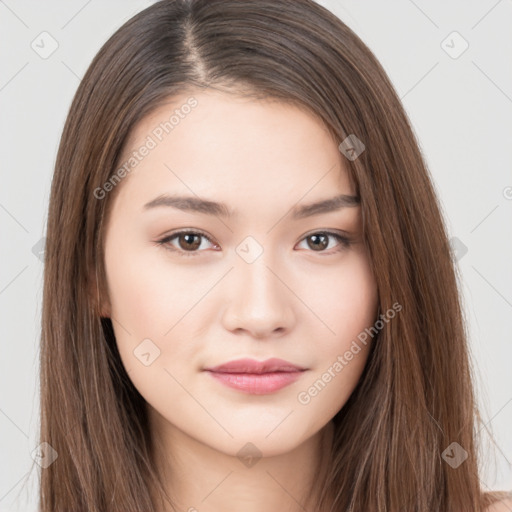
x: 164, y: 242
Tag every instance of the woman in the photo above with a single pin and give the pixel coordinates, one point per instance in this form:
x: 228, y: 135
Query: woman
x: 238, y: 180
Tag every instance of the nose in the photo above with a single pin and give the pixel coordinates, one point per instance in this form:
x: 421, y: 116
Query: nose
x: 259, y: 302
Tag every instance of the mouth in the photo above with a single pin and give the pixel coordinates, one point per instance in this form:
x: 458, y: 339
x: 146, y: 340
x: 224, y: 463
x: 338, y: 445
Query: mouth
x: 256, y: 377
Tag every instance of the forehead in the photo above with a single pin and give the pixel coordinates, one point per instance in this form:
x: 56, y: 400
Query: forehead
x: 209, y: 142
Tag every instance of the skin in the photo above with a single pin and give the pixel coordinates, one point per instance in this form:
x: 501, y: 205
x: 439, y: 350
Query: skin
x: 298, y: 301
x: 501, y: 506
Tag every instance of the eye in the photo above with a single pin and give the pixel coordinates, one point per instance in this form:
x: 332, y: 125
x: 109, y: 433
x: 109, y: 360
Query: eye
x: 188, y: 241
x: 320, y: 241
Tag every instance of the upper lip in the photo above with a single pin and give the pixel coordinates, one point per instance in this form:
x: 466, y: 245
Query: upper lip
x: 253, y: 366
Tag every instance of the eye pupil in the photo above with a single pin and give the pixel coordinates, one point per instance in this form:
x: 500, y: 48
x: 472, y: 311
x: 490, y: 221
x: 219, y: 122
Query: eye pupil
x: 322, y: 245
x: 187, y: 238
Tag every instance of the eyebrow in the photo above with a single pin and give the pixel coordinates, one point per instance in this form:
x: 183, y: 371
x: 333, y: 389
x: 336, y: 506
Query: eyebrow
x: 199, y: 205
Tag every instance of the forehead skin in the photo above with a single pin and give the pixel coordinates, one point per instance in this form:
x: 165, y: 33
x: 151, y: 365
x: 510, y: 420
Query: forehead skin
x: 233, y: 148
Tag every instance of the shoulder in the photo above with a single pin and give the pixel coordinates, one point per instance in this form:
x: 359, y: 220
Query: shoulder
x: 500, y: 506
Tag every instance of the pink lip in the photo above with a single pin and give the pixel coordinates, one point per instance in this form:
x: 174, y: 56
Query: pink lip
x: 256, y: 377
x: 253, y: 366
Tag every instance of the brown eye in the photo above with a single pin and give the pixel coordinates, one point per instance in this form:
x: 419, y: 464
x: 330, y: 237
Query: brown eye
x: 188, y: 242
x: 319, y: 241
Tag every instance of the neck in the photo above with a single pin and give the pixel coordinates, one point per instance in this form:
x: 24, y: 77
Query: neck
x: 199, y: 478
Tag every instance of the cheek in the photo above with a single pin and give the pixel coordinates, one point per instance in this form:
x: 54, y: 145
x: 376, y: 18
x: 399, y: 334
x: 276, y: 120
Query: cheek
x: 149, y: 303
x: 147, y: 294
x: 152, y: 299
x: 346, y: 300
x: 349, y: 307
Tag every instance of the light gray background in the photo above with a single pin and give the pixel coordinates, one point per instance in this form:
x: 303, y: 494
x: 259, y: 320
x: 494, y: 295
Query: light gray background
x: 460, y: 109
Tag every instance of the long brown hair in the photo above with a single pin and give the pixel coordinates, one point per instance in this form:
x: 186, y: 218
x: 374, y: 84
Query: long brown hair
x: 415, y: 396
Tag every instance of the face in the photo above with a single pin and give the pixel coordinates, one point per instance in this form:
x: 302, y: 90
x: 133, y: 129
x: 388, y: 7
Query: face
x: 261, y: 277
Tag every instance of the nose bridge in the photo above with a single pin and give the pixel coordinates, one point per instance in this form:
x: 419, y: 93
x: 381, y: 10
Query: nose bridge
x: 253, y: 257
x: 260, y: 302
x: 257, y: 282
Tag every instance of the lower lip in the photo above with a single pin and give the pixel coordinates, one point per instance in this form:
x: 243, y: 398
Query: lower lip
x: 257, y: 384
